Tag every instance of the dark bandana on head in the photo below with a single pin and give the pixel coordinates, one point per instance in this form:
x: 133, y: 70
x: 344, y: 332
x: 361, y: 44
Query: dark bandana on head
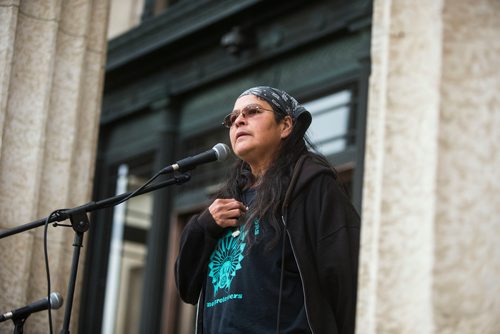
x: 281, y: 101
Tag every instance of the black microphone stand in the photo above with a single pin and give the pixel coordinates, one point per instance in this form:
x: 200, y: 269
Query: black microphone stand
x: 18, y: 325
x: 80, y: 224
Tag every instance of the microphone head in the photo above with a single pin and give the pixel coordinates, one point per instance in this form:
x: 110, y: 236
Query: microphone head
x: 221, y: 151
x: 56, y: 300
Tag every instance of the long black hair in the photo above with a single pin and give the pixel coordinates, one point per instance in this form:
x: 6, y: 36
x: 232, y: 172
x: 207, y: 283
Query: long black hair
x: 271, y: 188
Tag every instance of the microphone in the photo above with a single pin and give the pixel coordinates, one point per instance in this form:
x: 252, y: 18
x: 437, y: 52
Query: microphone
x: 219, y: 152
x: 54, y: 303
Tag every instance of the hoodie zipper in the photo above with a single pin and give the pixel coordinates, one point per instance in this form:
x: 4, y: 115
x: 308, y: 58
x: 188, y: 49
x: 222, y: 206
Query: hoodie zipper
x: 300, y: 273
x: 197, y: 314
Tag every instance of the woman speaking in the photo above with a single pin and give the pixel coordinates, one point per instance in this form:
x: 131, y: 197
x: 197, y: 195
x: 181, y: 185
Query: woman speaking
x: 277, y: 250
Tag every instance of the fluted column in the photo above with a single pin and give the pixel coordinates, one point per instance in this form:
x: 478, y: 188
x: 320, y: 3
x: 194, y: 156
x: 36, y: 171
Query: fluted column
x: 51, y: 63
x: 431, y: 208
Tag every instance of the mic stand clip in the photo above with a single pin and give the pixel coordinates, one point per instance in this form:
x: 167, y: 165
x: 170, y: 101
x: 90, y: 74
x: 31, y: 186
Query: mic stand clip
x: 18, y: 324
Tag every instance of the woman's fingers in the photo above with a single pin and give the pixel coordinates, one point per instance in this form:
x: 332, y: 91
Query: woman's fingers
x: 226, y: 211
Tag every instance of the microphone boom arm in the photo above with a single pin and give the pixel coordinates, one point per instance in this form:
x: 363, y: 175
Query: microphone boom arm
x: 93, y: 206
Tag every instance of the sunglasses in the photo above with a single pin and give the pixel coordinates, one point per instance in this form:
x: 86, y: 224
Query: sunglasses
x: 247, y: 112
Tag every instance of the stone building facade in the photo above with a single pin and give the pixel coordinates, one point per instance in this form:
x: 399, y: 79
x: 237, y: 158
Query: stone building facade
x: 422, y: 171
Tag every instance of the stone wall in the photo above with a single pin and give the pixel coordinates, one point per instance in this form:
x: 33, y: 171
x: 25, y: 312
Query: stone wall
x: 431, y: 211
x: 52, y: 56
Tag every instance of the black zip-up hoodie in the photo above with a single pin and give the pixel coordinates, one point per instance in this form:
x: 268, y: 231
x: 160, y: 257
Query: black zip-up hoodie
x: 323, y: 228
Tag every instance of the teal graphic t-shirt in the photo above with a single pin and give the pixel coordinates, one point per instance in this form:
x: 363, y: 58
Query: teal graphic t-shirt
x: 242, y: 286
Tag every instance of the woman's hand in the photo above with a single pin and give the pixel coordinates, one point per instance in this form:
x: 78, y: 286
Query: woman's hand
x: 226, y: 211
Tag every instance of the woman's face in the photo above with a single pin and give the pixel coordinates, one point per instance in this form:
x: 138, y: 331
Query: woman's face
x: 256, y: 137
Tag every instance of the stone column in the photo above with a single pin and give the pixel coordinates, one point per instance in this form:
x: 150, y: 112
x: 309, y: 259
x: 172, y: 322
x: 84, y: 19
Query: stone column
x: 430, y: 204
x: 466, y: 289
x: 52, y: 56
